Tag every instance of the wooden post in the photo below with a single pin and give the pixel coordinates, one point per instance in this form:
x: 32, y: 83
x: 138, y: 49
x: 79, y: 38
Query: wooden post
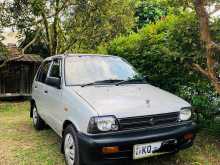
x: 22, y: 79
x: 0, y: 83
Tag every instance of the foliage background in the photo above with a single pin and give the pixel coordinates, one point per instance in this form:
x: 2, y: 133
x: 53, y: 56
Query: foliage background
x: 159, y: 37
x: 164, y: 51
x: 67, y: 25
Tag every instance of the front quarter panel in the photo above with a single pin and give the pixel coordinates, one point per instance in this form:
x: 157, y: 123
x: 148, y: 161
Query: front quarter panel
x: 76, y: 110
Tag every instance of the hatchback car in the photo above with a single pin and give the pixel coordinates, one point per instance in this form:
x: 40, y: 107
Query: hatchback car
x: 105, y: 111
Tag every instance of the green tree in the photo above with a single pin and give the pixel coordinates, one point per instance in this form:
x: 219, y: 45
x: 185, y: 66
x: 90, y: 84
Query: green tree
x: 38, y: 47
x: 97, y: 22
x: 3, y: 51
x: 66, y: 25
x: 211, y: 67
x: 149, y: 11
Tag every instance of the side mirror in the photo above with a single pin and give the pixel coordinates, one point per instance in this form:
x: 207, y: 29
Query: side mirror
x: 54, y: 81
x: 145, y: 78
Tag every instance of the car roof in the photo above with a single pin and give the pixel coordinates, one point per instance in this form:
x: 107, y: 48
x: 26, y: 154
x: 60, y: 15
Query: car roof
x: 76, y: 55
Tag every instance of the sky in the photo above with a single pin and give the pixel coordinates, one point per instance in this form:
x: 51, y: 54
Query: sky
x: 211, y: 8
x: 216, y: 14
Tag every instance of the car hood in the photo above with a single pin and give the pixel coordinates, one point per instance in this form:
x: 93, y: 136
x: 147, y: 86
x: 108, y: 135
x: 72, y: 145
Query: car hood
x: 130, y: 100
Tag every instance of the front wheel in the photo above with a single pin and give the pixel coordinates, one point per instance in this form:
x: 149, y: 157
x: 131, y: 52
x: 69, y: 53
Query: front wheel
x: 37, y: 121
x: 71, y: 148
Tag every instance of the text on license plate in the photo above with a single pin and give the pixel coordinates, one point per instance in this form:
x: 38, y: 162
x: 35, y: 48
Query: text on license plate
x: 145, y: 150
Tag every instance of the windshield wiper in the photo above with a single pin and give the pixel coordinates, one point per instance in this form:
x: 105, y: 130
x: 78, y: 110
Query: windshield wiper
x: 142, y: 80
x: 102, y: 82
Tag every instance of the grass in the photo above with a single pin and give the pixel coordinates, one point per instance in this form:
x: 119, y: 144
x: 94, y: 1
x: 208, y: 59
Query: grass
x: 20, y: 144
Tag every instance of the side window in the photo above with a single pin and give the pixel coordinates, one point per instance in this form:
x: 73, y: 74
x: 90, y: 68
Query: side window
x: 55, y: 69
x: 38, y: 74
x: 42, y: 75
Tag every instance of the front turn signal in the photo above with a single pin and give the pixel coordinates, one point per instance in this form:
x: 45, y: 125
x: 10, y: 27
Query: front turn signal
x: 110, y: 150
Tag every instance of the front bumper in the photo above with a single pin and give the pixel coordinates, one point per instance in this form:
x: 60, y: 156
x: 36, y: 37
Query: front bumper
x: 91, y: 145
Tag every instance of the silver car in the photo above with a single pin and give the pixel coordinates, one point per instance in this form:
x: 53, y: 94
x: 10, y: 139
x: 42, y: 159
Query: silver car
x: 105, y: 111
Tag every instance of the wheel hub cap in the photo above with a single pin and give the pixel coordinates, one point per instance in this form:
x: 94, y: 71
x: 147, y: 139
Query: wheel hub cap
x: 69, y: 149
x: 35, y: 115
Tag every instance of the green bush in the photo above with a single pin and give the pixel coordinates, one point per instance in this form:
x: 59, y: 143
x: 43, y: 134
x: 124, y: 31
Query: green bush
x: 159, y: 50
x: 204, y: 100
x: 164, y: 51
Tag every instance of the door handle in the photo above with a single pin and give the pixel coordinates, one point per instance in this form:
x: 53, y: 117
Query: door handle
x: 45, y: 91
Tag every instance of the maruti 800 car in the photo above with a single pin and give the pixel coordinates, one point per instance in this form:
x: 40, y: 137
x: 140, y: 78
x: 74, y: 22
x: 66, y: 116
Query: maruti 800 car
x: 105, y: 111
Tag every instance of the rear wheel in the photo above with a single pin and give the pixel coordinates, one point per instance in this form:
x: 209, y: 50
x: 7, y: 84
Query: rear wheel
x: 71, y: 148
x: 37, y: 121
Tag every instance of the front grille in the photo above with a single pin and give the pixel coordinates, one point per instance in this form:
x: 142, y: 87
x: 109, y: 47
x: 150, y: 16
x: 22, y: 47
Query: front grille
x: 148, y: 121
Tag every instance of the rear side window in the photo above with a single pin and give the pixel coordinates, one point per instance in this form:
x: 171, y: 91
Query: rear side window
x: 42, y: 74
x: 55, y: 69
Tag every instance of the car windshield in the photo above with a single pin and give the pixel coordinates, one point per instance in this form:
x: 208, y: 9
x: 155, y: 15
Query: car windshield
x: 80, y: 70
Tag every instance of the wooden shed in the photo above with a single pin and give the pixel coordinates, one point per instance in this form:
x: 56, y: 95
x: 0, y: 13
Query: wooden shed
x: 17, y: 75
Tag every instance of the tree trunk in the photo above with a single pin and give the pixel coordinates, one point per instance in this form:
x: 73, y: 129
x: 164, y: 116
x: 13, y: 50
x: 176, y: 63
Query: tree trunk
x: 48, y: 36
x: 206, y: 39
x: 55, y: 29
x: 31, y: 42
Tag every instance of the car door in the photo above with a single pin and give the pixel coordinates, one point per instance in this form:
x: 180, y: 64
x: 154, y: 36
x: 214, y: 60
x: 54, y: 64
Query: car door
x: 38, y: 89
x: 53, y: 94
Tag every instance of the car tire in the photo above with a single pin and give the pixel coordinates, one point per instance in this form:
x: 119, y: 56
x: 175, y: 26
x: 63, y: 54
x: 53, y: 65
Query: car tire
x: 38, y: 123
x: 71, y: 146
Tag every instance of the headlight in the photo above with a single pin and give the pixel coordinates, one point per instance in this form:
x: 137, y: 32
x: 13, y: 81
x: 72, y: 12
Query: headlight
x: 103, y: 124
x: 185, y: 114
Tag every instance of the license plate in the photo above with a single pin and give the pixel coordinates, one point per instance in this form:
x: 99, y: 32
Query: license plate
x: 145, y: 150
